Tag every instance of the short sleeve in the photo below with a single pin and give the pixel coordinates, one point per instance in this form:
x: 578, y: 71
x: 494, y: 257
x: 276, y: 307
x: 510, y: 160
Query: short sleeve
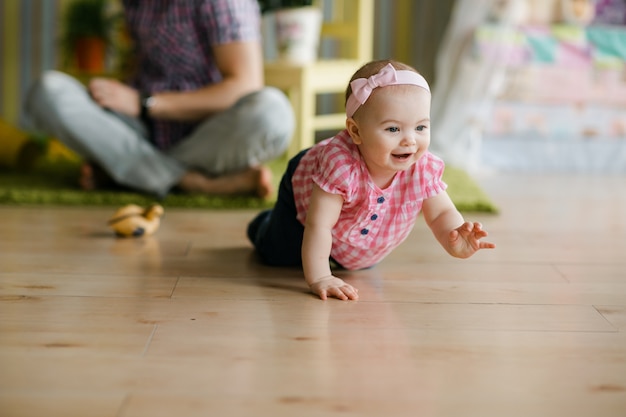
x: 431, y: 169
x: 336, y: 172
x: 231, y: 20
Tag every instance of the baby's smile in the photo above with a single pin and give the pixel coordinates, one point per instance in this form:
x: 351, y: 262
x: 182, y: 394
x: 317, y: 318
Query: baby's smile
x: 402, y: 156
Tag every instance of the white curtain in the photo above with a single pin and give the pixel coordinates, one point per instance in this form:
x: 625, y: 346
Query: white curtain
x: 466, y: 87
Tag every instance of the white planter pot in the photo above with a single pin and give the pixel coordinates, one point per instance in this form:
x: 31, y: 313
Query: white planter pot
x: 297, y: 34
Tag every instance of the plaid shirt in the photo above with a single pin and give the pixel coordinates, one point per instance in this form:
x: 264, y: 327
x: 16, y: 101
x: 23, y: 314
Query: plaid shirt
x: 372, y: 221
x: 174, y: 40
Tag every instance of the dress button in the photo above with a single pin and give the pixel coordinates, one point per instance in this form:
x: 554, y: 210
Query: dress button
x: 380, y: 200
x: 374, y: 217
x: 364, y: 231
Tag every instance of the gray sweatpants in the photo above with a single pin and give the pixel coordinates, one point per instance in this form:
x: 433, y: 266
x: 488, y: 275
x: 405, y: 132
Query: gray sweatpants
x: 255, y: 130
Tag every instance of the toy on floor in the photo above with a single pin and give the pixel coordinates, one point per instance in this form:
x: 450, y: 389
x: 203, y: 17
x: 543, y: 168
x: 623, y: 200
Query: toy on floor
x: 135, y: 221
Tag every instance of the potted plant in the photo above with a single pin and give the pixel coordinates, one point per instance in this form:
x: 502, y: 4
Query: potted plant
x: 291, y: 29
x: 86, y: 34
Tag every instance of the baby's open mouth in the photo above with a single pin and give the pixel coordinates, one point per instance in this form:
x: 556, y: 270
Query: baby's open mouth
x: 401, y: 155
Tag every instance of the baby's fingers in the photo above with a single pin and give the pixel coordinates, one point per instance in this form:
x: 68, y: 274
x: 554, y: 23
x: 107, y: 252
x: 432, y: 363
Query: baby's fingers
x: 479, y: 233
x: 345, y: 292
x: 337, y: 293
x: 487, y: 245
x: 324, y: 293
x: 350, y: 292
x: 463, y: 230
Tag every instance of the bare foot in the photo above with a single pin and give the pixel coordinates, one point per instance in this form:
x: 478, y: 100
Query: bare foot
x: 264, y: 182
x: 86, y: 179
x: 92, y: 177
x: 255, y: 181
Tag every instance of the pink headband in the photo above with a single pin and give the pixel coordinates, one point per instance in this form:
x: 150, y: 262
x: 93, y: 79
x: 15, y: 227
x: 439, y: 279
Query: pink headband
x: 363, y: 87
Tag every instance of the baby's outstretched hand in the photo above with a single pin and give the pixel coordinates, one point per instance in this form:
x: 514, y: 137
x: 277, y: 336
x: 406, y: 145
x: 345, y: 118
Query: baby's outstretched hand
x: 332, y: 286
x: 466, y: 240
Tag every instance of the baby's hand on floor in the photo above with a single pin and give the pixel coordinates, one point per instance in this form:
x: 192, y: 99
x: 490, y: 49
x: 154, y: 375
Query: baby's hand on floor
x: 466, y: 240
x: 332, y: 286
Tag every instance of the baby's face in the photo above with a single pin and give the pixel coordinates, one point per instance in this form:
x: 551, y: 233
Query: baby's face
x: 394, y: 128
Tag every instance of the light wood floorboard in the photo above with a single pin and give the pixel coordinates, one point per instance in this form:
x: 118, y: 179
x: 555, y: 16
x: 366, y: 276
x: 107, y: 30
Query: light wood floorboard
x: 188, y: 323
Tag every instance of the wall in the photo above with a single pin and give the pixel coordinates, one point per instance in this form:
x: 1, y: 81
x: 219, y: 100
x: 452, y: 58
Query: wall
x: 410, y: 31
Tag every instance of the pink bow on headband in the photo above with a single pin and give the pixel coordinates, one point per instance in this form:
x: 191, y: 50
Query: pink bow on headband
x: 362, y: 87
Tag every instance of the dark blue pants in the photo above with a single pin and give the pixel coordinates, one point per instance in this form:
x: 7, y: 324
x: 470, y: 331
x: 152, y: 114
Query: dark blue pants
x: 277, y: 234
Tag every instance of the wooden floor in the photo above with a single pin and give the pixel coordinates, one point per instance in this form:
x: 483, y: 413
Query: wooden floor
x: 186, y: 323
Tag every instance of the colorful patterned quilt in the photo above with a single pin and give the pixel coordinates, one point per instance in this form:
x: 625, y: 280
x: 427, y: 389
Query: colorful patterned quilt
x: 560, y: 63
x: 561, y: 80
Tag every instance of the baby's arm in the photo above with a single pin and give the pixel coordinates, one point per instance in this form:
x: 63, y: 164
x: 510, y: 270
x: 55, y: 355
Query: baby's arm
x: 323, y: 214
x: 459, y: 238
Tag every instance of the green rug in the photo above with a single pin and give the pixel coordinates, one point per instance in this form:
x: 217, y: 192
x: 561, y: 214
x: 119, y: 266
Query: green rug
x: 55, y: 183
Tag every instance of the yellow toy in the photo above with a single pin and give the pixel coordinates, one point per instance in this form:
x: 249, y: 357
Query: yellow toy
x: 135, y: 221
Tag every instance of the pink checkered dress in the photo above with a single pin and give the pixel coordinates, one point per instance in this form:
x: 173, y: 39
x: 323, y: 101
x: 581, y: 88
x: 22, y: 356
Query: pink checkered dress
x: 373, y: 221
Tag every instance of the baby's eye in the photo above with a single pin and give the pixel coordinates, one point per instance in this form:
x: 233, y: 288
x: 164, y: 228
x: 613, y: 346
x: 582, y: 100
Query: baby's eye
x: 393, y: 129
x: 420, y: 128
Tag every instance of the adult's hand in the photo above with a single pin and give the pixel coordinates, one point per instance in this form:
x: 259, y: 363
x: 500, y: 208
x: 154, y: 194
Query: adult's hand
x: 114, y: 95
